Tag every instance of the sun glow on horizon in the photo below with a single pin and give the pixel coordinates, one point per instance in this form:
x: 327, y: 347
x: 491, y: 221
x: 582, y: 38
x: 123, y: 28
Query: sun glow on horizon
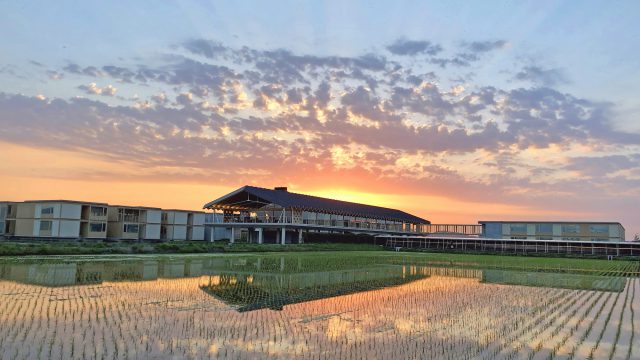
x: 439, y: 209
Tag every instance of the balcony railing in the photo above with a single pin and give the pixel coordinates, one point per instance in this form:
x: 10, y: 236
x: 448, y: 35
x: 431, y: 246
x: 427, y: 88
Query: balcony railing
x: 328, y: 223
x: 129, y: 218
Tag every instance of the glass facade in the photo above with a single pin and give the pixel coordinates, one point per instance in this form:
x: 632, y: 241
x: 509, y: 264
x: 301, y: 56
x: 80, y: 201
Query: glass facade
x: 599, y: 229
x: 518, y: 228
x: 544, y: 228
x: 570, y: 229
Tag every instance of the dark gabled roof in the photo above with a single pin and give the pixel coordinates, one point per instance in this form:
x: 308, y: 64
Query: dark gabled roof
x: 251, y: 197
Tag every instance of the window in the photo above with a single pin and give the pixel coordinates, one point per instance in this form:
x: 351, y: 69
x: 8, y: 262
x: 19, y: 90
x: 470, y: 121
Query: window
x: 599, y: 239
x: 570, y: 229
x: 544, y: 238
x: 97, y: 227
x: 130, y: 228
x: 571, y: 238
x: 599, y: 229
x: 544, y: 228
x: 519, y: 228
x: 45, y: 225
x: 518, y: 238
x: 46, y: 210
x: 98, y: 211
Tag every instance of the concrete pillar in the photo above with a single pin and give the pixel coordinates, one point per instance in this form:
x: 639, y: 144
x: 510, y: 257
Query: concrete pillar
x: 233, y: 236
x: 283, y: 239
x: 299, y: 236
x: 211, y: 234
x: 260, y: 239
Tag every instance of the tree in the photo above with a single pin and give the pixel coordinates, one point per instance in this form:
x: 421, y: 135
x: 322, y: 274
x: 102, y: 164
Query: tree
x: 636, y: 238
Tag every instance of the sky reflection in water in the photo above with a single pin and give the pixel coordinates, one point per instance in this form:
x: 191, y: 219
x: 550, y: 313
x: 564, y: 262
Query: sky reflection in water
x: 309, y: 307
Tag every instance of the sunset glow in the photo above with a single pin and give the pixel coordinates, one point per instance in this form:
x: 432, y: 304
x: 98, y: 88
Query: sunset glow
x: 454, y: 116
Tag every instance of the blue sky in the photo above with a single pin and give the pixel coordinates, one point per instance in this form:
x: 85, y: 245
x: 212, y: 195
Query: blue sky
x: 592, y: 42
x: 536, y: 101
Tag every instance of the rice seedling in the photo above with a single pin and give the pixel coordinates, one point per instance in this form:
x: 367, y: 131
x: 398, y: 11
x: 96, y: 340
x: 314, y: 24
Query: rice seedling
x: 317, y: 306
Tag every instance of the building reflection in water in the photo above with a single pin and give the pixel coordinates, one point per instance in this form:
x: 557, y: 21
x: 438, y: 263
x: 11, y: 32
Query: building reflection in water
x: 286, y: 306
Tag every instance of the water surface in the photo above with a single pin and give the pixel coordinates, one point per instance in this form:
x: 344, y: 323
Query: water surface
x: 317, y: 306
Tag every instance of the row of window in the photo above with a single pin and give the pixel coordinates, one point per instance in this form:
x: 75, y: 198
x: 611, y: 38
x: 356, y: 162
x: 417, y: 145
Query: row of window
x: 93, y: 227
x: 131, y: 228
x: 568, y: 238
x: 97, y: 227
x: 566, y: 228
x: 306, y: 216
x: 98, y: 211
x: 95, y: 211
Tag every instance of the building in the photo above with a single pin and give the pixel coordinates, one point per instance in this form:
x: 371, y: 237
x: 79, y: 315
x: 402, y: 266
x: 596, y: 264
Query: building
x: 7, y: 210
x: 65, y: 219
x: 215, y: 233
x: 549, y: 230
x: 182, y: 225
x: 195, y: 225
x: 279, y: 216
x: 69, y: 219
x: 134, y: 222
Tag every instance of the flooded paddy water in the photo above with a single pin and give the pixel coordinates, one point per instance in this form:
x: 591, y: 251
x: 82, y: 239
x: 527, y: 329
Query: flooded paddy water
x: 319, y: 306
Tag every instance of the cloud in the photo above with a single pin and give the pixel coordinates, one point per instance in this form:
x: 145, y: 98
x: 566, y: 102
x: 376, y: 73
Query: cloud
x: 485, y: 46
x: 93, y: 89
x: 413, y: 47
x: 232, y: 115
x: 55, y: 75
x: 79, y: 70
x: 207, y: 48
x: 541, y: 77
x: 603, y: 166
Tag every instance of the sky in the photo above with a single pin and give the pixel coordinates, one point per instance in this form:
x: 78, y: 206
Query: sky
x: 454, y: 111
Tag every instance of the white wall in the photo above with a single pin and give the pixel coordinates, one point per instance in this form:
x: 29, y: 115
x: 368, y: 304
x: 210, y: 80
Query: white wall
x: 170, y: 216
x: 69, y: 228
x: 180, y: 232
x: 70, y: 211
x: 38, y: 210
x: 152, y: 231
x: 36, y: 227
x: 197, y: 233
x: 154, y: 216
x: 180, y: 218
x: 198, y: 219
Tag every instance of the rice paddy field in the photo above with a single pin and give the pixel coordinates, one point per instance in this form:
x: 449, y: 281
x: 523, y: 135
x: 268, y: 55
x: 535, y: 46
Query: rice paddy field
x: 357, y: 305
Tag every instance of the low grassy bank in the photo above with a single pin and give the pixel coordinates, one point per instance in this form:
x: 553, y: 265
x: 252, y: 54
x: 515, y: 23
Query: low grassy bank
x: 10, y: 248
